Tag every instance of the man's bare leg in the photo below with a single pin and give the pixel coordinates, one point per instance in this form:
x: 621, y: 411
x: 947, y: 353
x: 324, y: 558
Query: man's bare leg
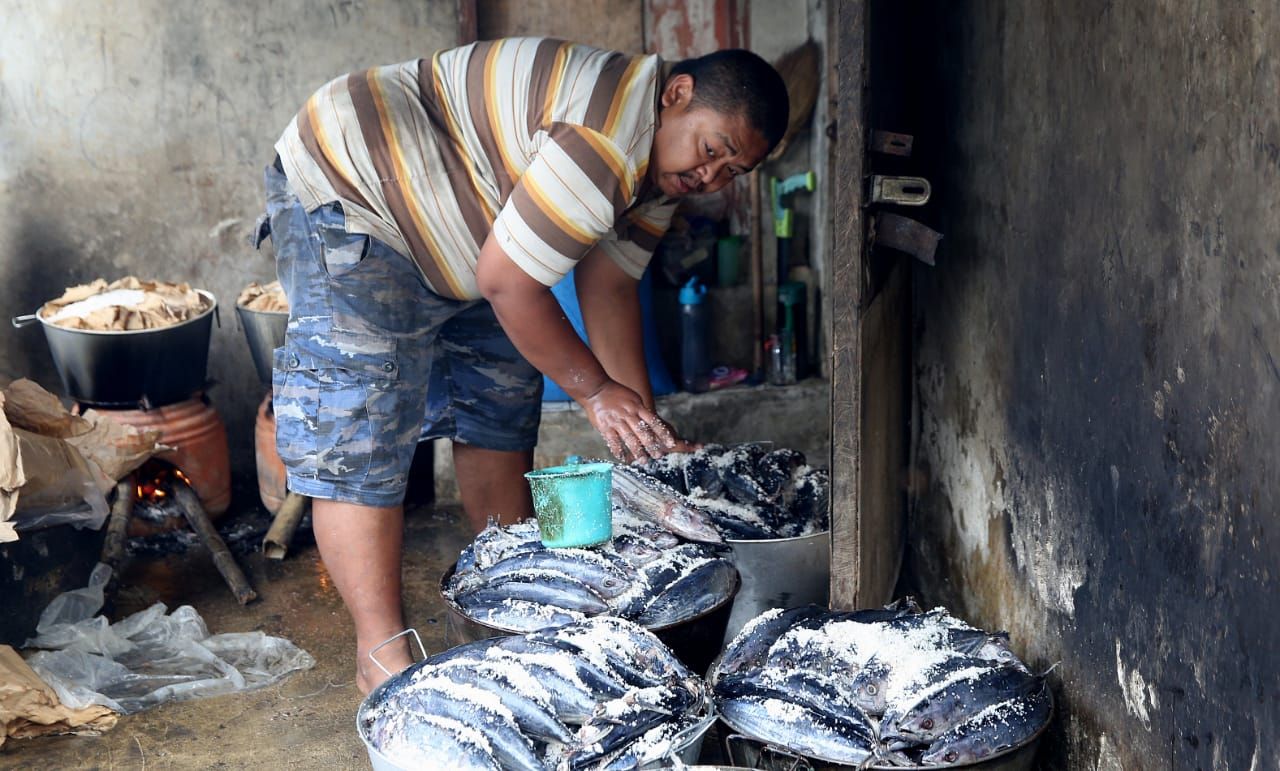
x: 360, y: 546
x: 491, y: 482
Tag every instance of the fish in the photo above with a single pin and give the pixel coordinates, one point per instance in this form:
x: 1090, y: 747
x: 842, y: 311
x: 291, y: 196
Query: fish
x: 958, y: 698
x: 775, y: 469
x: 571, y: 697
x: 649, y: 499
x: 738, y: 474
x: 622, y: 721
x: 497, y: 542
x: 701, y: 477
x: 998, y: 728
x: 525, y: 696
x: 603, y: 577
x: 471, y: 706
x: 544, y: 587
x: 749, y: 649
x: 514, y: 615
x: 800, y: 729
x: 412, y: 740
x: 621, y: 645
x: 699, y: 588
x: 810, y: 499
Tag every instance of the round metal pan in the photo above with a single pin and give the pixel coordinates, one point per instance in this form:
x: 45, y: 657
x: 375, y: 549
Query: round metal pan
x: 134, y: 368
x: 696, y: 641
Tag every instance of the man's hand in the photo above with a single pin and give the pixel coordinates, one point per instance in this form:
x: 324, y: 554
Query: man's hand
x: 628, y: 427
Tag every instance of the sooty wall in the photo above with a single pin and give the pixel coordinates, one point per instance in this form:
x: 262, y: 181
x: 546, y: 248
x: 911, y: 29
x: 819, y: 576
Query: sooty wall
x: 133, y: 137
x: 1098, y: 364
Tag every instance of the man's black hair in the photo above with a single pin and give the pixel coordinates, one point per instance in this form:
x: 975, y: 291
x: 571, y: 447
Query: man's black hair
x: 738, y: 82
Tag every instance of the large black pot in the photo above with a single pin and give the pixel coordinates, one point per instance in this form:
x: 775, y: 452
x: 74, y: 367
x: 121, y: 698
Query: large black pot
x: 138, y: 368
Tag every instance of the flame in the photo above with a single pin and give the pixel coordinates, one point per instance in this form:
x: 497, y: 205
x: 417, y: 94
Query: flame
x: 152, y: 489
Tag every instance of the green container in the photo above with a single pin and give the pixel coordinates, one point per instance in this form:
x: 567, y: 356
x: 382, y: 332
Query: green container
x: 574, y: 504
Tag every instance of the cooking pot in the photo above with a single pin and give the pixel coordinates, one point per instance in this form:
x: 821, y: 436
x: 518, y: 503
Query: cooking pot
x: 132, y: 368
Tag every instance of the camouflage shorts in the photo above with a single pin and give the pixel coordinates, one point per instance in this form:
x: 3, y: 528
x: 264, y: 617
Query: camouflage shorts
x: 373, y: 361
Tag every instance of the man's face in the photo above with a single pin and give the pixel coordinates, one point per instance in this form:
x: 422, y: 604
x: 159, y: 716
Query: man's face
x: 699, y: 150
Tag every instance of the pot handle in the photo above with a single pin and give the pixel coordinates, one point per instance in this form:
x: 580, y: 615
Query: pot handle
x: 25, y: 321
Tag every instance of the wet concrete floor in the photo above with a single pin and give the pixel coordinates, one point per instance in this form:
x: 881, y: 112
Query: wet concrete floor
x: 305, y: 721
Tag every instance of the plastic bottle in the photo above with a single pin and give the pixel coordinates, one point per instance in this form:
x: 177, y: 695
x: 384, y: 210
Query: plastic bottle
x: 695, y: 365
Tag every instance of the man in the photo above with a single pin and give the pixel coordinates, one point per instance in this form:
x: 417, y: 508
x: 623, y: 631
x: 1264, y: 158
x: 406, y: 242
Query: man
x: 420, y: 212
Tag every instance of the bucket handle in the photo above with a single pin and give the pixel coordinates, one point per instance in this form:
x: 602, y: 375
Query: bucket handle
x: 392, y: 639
x: 25, y: 320
x: 769, y: 756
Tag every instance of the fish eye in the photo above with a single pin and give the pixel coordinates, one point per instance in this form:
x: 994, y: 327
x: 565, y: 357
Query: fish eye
x: 1006, y: 655
x: 609, y: 582
x: 927, y: 724
x: 872, y: 689
x: 951, y: 756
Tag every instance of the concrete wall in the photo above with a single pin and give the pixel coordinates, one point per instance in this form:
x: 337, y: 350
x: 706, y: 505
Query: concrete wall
x: 132, y: 138
x: 1098, y: 365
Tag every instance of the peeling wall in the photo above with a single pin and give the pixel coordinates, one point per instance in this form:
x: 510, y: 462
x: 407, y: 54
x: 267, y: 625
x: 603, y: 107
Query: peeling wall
x: 132, y: 139
x: 1098, y: 365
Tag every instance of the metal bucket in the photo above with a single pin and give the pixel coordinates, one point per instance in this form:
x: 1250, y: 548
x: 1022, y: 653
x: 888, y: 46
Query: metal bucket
x: 265, y: 332
x: 696, y: 641
x: 687, y: 748
x: 131, y: 368
x: 779, y: 573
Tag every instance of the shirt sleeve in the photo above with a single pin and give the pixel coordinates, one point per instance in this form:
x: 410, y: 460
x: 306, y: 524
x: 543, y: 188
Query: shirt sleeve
x: 634, y: 238
x: 568, y: 199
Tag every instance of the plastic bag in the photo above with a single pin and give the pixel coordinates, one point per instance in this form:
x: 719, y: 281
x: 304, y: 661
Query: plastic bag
x: 150, y: 657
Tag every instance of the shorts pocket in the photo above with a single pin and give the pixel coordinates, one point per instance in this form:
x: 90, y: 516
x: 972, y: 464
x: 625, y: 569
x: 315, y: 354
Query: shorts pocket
x: 327, y: 406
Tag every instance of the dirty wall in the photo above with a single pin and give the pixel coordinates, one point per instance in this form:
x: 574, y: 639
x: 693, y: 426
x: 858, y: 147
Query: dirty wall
x: 132, y: 139
x: 1098, y: 365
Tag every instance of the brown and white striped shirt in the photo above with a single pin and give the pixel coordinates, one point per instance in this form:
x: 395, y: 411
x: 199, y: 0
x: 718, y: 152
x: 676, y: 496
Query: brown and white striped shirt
x: 543, y: 142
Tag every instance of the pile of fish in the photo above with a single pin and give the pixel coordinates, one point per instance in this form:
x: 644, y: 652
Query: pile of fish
x: 893, y: 686
x: 596, y: 694
x: 507, y: 579
x: 745, y: 492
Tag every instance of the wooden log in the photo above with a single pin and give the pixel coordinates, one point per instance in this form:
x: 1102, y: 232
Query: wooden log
x: 222, y: 557
x: 276, y: 542
x: 117, y: 525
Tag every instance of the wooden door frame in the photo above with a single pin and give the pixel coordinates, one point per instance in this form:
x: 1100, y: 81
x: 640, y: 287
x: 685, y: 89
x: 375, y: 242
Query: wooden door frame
x: 869, y: 345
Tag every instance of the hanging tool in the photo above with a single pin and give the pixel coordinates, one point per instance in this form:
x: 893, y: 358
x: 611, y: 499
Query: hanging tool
x: 783, y: 218
x: 790, y: 324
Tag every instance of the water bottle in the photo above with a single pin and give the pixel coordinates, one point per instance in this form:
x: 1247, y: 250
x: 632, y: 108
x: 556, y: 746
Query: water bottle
x: 695, y: 365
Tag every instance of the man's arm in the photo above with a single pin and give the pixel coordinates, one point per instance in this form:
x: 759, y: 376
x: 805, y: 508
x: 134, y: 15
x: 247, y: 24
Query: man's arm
x: 610, y: 306
x: 536, y: 324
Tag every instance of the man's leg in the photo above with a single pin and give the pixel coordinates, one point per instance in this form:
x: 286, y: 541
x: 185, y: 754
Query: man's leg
x: 360, y: 546
x: 492, y: 483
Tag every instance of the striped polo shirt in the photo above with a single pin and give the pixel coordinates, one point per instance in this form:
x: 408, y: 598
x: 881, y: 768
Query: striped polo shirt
x: 542, y: 142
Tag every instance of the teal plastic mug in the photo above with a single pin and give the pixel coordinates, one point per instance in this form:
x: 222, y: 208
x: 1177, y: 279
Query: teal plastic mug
x: 574, y: 504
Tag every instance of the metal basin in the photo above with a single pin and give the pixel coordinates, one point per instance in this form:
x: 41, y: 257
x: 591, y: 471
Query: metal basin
x: 687, y: 748
x: 264, y: 330
x: 779, y: 573
x: 141, y: 367
x: 696, y: 641
x: 744, y: 750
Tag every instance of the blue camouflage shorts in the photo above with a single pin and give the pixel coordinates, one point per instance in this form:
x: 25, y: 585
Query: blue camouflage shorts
x: 373, y: 361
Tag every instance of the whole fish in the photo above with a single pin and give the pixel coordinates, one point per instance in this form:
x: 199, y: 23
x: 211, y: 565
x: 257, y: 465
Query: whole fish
x: 958, y: 698
x: 623, y: 720
x: 596, y: 572
x: 1000, y: 727
x: 525, y: 696
x: 812, y: 690
x: 649, y: 499
x: 545, y: 587
x: 701, y: 476
x: 776, y: 468
x: 749, y: 649
x: 471, y: 706
x: 621, y: 645
x: 412, y: 740
x: 596, y: 675
x: 701, y: 586
x: 515, y: 615
x: 497, y: 542
x: 797, y: 728
x: 573, y: 699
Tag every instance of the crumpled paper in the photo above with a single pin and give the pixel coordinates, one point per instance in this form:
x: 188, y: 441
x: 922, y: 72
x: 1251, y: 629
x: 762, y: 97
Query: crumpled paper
x: 129, y: 303
x: 57, y: 467
x: 29, y: 707
x: 267, y: 298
